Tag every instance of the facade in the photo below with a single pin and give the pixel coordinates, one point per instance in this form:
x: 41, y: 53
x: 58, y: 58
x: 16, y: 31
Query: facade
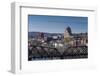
x: 75, y: 39
x: 67, y: 33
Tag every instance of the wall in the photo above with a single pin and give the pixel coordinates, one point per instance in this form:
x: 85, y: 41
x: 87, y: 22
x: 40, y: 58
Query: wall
x: 5, y: 33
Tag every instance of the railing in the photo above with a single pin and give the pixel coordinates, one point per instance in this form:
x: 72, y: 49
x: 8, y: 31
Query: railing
x: 45, y: 52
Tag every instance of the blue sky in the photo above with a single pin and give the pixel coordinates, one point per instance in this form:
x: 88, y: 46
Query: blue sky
x: 57, y: 24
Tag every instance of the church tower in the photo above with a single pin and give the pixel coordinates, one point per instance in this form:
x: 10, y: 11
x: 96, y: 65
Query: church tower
x: 67, y: 32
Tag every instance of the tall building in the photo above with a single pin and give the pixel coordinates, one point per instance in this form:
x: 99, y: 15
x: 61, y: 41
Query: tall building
x: 67, y: 32
x: 40, y: 35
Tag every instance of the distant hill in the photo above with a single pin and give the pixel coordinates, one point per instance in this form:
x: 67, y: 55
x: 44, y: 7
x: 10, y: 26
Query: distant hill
x: 33, y: 34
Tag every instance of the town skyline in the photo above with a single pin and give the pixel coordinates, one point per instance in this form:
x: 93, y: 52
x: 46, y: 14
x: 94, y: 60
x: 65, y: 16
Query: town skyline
x: 57, y: 24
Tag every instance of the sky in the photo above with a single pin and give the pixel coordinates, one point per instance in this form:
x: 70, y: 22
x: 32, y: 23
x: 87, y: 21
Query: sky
x: 57, y: 24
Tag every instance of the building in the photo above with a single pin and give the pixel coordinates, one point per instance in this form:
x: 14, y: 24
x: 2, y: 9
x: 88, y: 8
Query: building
x: 41, y: 35
x: 66, y: 33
